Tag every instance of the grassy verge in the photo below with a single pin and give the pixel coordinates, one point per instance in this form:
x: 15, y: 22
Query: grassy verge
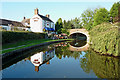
x: 22, y: 44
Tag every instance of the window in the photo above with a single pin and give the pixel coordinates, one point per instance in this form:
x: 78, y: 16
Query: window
x: 35, y: 20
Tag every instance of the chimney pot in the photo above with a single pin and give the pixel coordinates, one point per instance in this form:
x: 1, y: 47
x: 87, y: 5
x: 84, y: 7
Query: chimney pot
x: 47, y: 15
x: 36, y: 11
x: 23, y: 17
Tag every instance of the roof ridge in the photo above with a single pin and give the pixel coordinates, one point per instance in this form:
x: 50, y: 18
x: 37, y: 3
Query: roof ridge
x: 45, y: 18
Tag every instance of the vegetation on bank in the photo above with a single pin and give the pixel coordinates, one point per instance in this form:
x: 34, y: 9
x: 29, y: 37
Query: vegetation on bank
x: 12, y: 36
x: 24, y: 44
x: 103, y: 66
x: 105, y: 39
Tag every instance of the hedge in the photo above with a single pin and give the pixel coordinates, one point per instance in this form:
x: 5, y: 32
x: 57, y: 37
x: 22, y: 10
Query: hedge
x: 10, y: 36
x: 105, y: 39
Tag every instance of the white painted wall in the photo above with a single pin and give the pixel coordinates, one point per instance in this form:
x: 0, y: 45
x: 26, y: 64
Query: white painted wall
x: 48, y: 24
x: 38, y: 57
x: 36, y: 24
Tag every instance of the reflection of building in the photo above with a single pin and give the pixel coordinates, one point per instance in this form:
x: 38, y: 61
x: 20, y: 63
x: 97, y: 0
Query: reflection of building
x: 41, y: 58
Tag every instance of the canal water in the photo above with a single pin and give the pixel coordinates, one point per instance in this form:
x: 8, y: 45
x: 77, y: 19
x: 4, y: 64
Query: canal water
x: 61, y: 60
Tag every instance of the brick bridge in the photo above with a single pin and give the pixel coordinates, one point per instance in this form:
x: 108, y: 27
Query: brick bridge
x: 82, y: 31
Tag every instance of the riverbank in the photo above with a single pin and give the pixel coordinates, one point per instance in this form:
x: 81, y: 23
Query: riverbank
x: 30, y: 45
x: 105, y: 39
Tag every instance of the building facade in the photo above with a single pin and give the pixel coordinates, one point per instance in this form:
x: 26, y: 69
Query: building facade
x: 10, y: 25
x: 40, y: 23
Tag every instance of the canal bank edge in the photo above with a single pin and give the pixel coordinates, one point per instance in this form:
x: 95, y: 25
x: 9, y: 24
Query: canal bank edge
x: 31, y: 47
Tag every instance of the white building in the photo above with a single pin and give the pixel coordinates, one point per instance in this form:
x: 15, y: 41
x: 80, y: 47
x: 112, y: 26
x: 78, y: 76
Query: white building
x: 40, y: 23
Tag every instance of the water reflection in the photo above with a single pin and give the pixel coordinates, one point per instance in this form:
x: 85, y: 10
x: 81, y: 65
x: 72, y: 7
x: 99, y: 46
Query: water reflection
x: 78, y: 43
x: 85, y: 63
x: 41, y: 58
x: 103, y: 66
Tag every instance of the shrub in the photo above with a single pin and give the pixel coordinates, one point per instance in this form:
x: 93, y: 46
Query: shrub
x: 9, y: 36
x: 105, y: 39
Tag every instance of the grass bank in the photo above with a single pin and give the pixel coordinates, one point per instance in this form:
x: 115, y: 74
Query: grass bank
x: 105, y: 39
x: 23, y: 44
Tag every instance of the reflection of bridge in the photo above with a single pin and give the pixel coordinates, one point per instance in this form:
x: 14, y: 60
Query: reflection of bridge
x: 82, y: 31
x: 83, y: 48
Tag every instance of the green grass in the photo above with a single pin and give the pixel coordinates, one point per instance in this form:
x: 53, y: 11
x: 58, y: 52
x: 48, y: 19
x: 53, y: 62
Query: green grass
x: 26, y: 44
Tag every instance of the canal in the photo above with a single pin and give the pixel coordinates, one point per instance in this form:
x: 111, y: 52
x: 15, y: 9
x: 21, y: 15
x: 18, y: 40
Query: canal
x: 61, y: 60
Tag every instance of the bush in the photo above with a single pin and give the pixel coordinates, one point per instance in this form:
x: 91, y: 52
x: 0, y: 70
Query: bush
x: 105, y: 39
x: 9, y: 36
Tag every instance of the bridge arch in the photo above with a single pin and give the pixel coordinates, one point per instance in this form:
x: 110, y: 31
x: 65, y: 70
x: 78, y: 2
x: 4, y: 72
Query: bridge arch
x: 82, y: 31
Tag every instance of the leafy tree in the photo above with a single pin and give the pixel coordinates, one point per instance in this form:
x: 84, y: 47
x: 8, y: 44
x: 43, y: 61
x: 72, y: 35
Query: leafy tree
x: 101, y: 15
x: 59, y: 26
x: 87, y: 19
x: 114, y: 11
x: 59, y: 20
x: 119, y: 13
x: 64, y: 24
x: 76, y: 23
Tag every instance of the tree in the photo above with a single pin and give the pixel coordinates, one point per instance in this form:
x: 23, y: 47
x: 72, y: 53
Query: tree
x: 64, y: 24
x: 59, y: 26
x: 114, y: 11
x: 76, y: 23
x: 119, y: 13
x: 101, y: 15
x: 87, y: 19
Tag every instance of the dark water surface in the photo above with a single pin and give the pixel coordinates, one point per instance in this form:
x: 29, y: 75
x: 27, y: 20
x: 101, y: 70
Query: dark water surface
x: 61, y: 60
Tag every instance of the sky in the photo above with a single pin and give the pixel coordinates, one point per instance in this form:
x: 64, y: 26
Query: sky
x: 16, y: 10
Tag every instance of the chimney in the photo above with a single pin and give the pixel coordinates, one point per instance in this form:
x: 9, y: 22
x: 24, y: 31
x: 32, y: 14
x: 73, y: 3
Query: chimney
x: 48, y: 16
x: 36, y: 11
x: 23, y: 17
x: 48, y: 62
x: 37, y: 68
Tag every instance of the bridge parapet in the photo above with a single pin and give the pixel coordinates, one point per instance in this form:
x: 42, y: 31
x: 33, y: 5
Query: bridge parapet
x: 82, y: 31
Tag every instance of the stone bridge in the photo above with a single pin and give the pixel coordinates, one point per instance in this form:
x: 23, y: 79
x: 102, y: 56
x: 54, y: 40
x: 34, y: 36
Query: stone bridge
x: 82, y: 31
x: 83, y: 48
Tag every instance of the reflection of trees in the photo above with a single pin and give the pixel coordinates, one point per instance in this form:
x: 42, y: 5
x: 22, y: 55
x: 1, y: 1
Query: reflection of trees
x: 64, y: 52
x: 80, y: 43
x: 103, y: 66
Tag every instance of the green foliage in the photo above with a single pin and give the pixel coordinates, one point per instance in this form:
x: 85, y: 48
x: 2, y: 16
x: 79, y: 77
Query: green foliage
x: 9, y: 36
x: 63, y: 51
x: 101, y: 15
x: 102, y: 66
x: 65, y: 31
x: 67, y: 25
x: 76, y: 23
x: 59, y: 26
x: 114, y: 11
x: 87, y: 19
x: 105, y: 39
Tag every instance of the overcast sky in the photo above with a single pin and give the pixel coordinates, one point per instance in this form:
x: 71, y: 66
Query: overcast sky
x: 16, y: 10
